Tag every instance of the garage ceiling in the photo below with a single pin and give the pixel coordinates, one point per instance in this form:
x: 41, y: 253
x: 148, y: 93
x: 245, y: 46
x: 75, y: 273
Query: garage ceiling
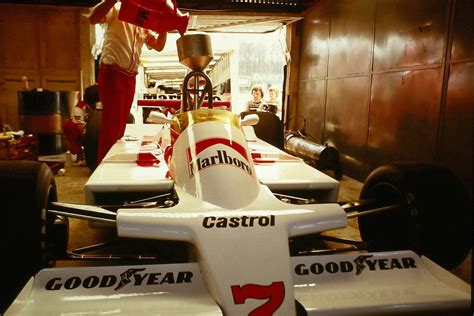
x: 237, y: 22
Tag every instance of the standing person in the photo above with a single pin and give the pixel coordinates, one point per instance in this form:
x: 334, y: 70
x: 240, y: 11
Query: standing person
x: 74, y: 128
x: 119, y: 61
x: 257, y: 99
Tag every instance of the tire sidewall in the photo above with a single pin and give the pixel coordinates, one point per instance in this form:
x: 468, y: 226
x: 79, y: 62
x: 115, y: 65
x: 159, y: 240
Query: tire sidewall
x: 435, y: 217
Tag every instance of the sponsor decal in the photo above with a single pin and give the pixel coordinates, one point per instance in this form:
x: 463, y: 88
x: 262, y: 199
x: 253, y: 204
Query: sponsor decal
x: 360, y: 264
x: 219, y: 157
x: 141, y: 17
x: 238, y: 221
x: 273, y: 294
x: 132, y: 276
x: 125, y: 277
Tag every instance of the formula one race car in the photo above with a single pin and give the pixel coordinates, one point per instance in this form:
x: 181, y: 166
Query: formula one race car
x: 225, y: 223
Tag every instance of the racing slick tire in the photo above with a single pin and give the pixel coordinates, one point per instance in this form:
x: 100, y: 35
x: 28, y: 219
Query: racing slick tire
x: 91, y: 138
x: 92, y: 135
x: 30, y: 237
x: 434, y: 216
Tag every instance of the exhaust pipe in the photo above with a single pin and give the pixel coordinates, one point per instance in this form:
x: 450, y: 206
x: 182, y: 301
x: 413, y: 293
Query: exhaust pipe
x: 322, y: 157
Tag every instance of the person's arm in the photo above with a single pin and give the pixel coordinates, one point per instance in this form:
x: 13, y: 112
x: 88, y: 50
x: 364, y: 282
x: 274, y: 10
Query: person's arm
x: 156, y: 42
x: 247, y: 106
x: 99, y: 11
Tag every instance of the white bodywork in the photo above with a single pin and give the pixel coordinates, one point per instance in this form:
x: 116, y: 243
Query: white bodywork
x: 240, y: 232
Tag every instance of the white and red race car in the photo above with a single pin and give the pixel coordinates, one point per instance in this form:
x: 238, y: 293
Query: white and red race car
x: 226, y: 224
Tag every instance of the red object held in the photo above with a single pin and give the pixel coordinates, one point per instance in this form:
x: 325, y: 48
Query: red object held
x: 156, y: 15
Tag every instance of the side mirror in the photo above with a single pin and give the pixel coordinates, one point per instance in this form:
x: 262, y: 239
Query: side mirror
x: 249, y: 120
x: 158, y: 118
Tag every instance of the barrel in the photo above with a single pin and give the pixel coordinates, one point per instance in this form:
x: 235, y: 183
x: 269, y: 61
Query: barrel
x: 40, y: 114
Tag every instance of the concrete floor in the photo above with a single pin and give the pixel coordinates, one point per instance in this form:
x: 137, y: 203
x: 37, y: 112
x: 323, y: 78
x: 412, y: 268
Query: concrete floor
x: 71, y: 189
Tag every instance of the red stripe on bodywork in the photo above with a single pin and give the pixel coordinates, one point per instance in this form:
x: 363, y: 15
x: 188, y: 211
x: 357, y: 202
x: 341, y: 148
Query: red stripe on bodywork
x: 147, y: 159
x: 259, y: 159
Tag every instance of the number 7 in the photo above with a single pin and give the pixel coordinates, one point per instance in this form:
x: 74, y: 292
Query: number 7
x: 275, y: 292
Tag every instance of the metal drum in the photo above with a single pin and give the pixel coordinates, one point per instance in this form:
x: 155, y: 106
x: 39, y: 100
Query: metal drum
x: 195, y: 51
x: 41, y: 115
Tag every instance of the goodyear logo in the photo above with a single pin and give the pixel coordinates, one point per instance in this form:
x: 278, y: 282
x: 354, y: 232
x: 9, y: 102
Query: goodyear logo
x: 130, y: 277
x: 358, y: 265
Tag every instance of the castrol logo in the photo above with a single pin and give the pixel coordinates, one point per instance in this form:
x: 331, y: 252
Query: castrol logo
x: 219, y: 156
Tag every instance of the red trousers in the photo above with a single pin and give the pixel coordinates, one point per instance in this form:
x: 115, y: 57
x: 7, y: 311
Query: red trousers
x: 74, y: 135
x: 116, y: 92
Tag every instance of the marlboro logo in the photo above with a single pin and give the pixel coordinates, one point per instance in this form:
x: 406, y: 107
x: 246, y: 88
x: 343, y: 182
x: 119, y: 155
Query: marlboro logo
x: 218, y: 157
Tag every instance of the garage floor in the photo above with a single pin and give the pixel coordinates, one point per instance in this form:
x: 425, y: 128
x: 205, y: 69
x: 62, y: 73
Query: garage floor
x: 71, y: 189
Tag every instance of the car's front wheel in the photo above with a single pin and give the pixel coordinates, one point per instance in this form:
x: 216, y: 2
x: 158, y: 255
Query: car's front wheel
x: 434, y: 214
x: 32, y: 237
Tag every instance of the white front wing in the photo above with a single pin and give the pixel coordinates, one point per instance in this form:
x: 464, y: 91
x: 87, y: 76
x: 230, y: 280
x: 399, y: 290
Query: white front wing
x: 385, y: 286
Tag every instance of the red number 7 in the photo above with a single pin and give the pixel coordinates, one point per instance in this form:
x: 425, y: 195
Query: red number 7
x: 275, y: 292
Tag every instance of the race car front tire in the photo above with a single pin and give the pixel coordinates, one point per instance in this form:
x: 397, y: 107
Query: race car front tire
x: 434, y: 217
x: 31, y: 237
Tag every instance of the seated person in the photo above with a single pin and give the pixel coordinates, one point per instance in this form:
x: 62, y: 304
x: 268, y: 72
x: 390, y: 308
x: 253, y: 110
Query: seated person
x: 257, y: 99
x: 272, y: 104
x: 74, y: 128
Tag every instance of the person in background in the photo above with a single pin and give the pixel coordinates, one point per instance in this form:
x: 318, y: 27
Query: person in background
x: 75, y: 128
x: 4, y: 127
x: 257, y: 99
x: 273, y: 103
x: 119, y: 61
x: 25, y: 84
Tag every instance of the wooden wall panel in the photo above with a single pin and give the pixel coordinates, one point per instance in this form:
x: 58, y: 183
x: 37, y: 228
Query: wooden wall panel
x: 61, y: 82
x: 19, y: 38
x: 9, y: 87
x: 44, y: 44
x: 60, y: 41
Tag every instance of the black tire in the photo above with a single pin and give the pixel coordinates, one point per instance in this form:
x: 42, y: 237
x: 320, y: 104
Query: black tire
x: 434, y: 219
x: 338, y: 173
x: 91, y: 138
x: 31, y: 237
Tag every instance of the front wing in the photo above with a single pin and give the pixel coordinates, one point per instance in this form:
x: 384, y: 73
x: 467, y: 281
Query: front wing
x: 359, y: 283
